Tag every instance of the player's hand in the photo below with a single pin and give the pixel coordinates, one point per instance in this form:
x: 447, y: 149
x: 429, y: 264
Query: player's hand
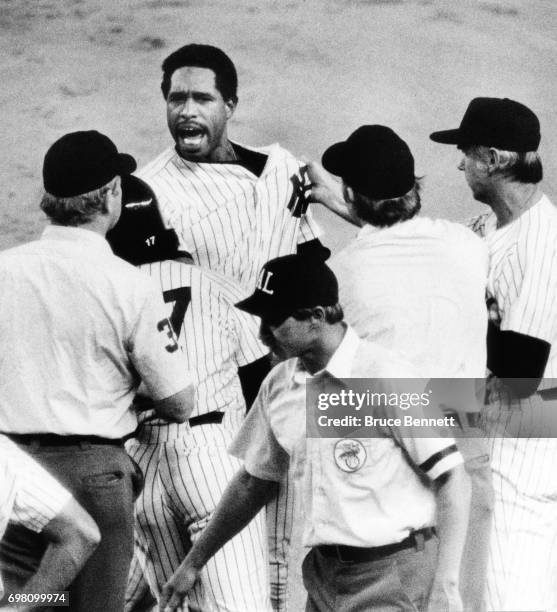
x: 324, y: 188
x: 445, y: 597
x: 176, y: 589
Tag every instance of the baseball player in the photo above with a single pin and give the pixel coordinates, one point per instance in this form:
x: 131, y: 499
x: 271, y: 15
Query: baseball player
x: 80, y: 329
x: 499, y: 139
x: 416, y: 285
x: 370, y: 501
x: 187, y: 467
x: 234, y: 207
x: 32, y: 497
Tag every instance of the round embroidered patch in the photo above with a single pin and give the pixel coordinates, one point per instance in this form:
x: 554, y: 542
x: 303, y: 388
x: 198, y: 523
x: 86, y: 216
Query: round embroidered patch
x: 350, y: 455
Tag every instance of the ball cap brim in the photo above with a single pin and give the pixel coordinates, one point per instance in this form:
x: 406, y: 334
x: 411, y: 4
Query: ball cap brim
x: 450, y: 137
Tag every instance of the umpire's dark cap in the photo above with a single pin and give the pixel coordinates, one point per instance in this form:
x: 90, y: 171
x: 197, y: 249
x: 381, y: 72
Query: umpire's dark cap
x: 373, y: 161
x: 495, y: 122
x: 81, y: 162
x: 140, y: 236
x: 289, y: 283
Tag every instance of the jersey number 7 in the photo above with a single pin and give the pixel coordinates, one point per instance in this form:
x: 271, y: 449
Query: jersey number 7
x: 181, y: 298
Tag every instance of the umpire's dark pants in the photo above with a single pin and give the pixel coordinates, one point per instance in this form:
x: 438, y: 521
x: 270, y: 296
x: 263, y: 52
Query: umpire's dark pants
x: 104, y: 480
x: 397, y: 582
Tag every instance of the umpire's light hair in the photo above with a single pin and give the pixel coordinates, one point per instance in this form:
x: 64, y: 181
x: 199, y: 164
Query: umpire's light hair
x: 203, y: 56
x: 77, y: 210
x: 384, y: 213
x: 522, y: 167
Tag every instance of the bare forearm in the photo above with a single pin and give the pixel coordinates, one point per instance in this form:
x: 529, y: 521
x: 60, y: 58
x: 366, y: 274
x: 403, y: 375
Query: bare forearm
x: 59, y: 566
x: 453, y: 503
x: 176, y: 408
x: 243, y: 499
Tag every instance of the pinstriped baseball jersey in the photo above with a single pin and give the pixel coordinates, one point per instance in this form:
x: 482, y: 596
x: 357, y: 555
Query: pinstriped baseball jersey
x: 523, y: 274
x: 522, y: 287
x: 187, y: 468
x: 229, y: 219
x: 216, y: 337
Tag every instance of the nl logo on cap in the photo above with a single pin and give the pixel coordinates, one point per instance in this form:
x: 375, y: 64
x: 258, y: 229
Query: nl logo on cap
x: 263, y: 281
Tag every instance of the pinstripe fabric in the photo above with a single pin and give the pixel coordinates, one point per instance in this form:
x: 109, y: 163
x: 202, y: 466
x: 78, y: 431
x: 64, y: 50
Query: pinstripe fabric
x: 230, y: 220
x: 217, y: 338
x: 29, y: 495
x: 234, y: 222
x: 187, y: 469
x: 523, y: 282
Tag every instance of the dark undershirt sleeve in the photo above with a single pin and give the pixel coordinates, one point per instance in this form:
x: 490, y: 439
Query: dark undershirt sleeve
x: 314, y: 248
x: 251, y: 377
x: 516, y: 358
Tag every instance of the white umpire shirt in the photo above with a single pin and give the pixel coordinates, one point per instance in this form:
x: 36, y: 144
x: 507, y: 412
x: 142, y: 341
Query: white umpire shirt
x: 418, y: 288
x: 378, y: 503
x: 29, y: 495
x: 79, y: 328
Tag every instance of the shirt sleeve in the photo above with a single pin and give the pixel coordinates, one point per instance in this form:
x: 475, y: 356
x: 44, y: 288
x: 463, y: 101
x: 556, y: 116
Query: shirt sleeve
x: 154, y: 349
x: 429, y: 448
x: 38, y: 496
x: 250, y: 348
x: 532, y: 310
x: 257, y: 445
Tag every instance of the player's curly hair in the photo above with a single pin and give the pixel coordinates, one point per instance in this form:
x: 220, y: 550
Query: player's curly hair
x: 384, y: 213
x: 203, y: 56
x: 76, y: 210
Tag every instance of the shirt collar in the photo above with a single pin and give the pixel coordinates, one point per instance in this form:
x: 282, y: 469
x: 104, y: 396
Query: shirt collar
x: 340, y: 363
x: 76, y: 235
x: 406, y: 226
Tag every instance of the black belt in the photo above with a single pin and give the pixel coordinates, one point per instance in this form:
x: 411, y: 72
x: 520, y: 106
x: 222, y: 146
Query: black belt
x: 355, y: 554
x: 49, y: 439
x: 207, y: 418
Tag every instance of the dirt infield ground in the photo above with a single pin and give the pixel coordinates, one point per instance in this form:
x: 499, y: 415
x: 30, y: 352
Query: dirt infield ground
x: 310, y: 72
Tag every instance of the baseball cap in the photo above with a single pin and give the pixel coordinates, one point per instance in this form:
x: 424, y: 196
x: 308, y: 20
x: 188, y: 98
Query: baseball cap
x: 80, y: 162
x: 494, y: 122
x: 140, y: 235
x: 288, y: 283
x: 373, y: 161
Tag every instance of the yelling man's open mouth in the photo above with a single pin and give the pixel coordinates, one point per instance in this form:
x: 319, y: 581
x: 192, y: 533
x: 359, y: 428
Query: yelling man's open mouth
x: 190, y: 136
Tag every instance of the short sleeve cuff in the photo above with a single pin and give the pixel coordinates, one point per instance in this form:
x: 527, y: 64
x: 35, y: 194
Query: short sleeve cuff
x: 442, y: 462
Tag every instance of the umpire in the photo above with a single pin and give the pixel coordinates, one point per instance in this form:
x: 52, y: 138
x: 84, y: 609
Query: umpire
x: 80, y: 328
x: 370, y: 500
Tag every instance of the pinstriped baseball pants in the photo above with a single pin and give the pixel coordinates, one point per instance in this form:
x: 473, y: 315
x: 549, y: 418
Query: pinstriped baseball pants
x: 184, y: 481
x: 522, y: 567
